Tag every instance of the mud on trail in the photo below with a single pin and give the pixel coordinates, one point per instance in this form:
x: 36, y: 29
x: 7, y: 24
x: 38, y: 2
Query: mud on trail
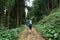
x: 33, y: 35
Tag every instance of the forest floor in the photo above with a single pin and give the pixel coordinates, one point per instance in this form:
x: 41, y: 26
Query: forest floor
x: 27, y: 35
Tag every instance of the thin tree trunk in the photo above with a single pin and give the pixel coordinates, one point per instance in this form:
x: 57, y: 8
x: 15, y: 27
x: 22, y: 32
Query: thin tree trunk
x: 52, y: 1
x: 8, y: 19
x: 8, y: 15
x: 59, y: 3
x: 17, y: 18
x: 48, y: 4
x: 17, y: 13
x: 20, y: 18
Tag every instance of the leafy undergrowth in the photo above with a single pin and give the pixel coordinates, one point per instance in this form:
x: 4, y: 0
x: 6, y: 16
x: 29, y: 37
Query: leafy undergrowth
x: 49, y: 26
x: 12, y: 34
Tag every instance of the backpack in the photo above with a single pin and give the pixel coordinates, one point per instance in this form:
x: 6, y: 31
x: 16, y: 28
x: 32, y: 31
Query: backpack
x: 28, y: 22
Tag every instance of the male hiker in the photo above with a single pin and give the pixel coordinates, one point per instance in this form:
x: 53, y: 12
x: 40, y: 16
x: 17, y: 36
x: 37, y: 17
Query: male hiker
x: 29, y: 24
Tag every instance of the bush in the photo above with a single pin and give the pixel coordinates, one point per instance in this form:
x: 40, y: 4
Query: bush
x: 12, y: 34
x: 50, y: 26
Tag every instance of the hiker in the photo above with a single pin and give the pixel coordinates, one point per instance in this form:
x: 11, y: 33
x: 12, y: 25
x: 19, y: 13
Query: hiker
x: 29, y: 23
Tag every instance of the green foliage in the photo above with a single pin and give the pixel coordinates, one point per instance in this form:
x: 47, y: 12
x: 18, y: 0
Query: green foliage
x: 49, y: 26
x: 38, y: 9
x: 12, y: 34
x: 41, y: 8
x: 4, y: 7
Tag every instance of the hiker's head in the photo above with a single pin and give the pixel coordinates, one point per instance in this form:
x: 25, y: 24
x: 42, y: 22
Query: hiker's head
x: 28, y: 18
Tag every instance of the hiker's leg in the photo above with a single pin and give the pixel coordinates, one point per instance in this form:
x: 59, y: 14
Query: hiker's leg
x: 30, y: 29
x: 30, y: 26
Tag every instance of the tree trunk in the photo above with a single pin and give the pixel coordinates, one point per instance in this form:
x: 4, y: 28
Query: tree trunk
x: 20, y: 21
x: 52, y: 1
x: 20, y: 11
x: 17, y: 13
x: 8, y: 18
x: 59, y: 3
x: 8, y: 15
x: 48, y: 4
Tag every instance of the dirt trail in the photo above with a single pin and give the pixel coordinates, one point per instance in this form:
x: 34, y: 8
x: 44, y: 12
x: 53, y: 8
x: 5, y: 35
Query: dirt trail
x: 34, y: 35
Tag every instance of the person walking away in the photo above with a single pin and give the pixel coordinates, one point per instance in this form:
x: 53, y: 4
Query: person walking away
x: 29, y: 24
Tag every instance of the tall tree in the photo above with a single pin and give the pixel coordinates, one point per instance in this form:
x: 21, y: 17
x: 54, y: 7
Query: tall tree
x: 8, y: 14
x: 42, y: 7
x: 20, y: 11
x: 59, y: 3
x: 2, y: 8
x: 18, y: 2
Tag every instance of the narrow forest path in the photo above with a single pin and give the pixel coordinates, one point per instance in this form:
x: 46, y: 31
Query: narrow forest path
x: 26, y: 35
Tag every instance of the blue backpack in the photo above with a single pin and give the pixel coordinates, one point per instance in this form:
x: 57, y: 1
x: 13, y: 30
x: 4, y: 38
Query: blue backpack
x: 28, y: 22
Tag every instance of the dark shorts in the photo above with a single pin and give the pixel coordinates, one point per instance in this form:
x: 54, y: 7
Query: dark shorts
x: 30, y: 26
